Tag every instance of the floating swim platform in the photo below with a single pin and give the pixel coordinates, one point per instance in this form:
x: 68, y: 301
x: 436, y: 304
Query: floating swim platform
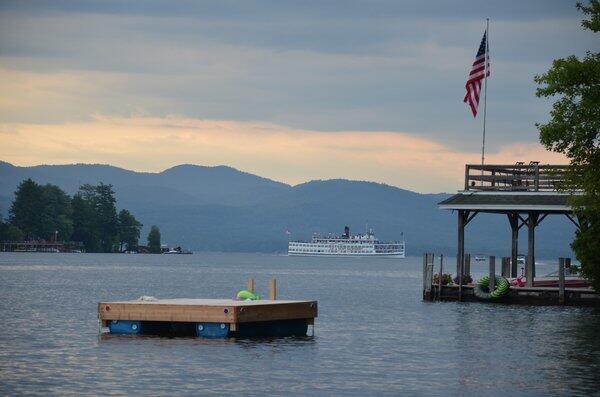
x: 210, y: 318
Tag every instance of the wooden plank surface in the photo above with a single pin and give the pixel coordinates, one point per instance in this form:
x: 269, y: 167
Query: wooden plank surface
x: 165, y: 312
x: 208, y: 302
x: 271, y: 312
x: 206, y: 310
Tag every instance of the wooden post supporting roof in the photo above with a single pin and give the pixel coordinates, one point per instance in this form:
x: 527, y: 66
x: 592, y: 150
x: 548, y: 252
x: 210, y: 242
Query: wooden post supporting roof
x: 530, y: 263
x: 460, y: 252
x: 461, y: 242
x: 513, y: 219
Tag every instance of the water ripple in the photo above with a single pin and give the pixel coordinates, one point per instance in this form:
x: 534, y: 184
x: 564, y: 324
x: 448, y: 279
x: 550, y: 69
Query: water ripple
x: 374, y: 336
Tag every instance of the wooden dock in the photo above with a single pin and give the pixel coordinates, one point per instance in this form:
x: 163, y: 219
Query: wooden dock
x: 561, y: 295
x: 525, y: 194
x: 208, y: 317
x: 545, y: 296
x: 41, y: 246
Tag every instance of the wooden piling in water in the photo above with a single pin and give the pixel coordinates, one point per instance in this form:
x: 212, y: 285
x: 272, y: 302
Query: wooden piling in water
x: 492, y: 265
x: 250, y: 285
x: 272, y: 289
x: 427, y: 275
x: 505, y: 266
x: 561, y: 281
x: 425, y: 257
x: 440, y: 277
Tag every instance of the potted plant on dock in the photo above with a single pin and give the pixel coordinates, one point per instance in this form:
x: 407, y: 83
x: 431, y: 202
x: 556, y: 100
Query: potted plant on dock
x: 446, y: 279
x: 466, y: 279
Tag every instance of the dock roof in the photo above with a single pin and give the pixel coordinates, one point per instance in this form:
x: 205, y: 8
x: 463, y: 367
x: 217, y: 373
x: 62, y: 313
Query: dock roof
x: 508, y: 201
x: 513, y: 188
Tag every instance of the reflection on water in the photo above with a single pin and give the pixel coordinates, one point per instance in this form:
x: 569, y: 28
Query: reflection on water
x: 374, y: 335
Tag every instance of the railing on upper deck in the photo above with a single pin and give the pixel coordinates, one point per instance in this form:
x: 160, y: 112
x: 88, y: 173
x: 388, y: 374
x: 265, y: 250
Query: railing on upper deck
x: 533, y: 177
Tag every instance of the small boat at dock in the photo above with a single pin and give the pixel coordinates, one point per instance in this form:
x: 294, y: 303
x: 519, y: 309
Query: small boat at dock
x: 176, y: 251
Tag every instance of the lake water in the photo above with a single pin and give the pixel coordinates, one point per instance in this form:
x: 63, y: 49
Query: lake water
x: 373, y: 336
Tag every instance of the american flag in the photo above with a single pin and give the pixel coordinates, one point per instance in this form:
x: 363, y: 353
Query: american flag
x: 473, y: 85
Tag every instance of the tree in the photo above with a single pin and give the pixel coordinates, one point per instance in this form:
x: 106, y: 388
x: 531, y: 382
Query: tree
x: 106, y: 213
x: 12, y: 233
x: 47, y: 212
x: 95, y: 220
x: 84, y: 223
x: 41, y: 211
x: 154, y: 240
x: 55, y: 215
x: 25, y: 209
x: 129, y: 230
x: 9, y: 232
x: 574, y: 129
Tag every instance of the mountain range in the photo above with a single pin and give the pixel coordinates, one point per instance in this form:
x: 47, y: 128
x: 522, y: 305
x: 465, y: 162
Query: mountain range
x: 224, y: 209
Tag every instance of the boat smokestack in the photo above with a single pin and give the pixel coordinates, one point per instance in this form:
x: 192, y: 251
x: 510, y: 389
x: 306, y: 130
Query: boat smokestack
x: 346, y: 232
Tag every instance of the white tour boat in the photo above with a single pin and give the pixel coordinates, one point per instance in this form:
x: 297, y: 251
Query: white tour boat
x: 347, y: 245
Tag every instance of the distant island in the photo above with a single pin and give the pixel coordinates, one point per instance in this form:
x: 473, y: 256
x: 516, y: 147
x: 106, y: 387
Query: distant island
x: 224, y: 209
x: 44, y: 217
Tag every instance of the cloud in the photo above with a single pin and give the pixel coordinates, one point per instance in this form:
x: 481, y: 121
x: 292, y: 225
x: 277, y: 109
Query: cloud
x: 292, y: 91
x: 393, y: 66
x: 271, y: 150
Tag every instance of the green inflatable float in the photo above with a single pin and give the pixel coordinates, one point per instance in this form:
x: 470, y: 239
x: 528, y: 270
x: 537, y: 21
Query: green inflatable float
x: 247, y: 296
x: 482, y: 288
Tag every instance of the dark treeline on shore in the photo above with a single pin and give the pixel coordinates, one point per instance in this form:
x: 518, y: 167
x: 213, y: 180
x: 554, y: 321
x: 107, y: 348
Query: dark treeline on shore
x: 46, y: 212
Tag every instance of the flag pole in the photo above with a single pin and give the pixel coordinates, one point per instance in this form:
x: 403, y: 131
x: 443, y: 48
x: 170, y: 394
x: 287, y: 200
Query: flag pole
x: 485, y: 75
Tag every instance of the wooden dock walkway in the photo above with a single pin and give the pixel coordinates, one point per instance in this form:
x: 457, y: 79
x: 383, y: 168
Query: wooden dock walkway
x: 41, y: 246
x: 520, y: 295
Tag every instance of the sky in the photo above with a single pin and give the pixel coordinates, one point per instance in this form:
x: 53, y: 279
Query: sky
x: 292, y: 91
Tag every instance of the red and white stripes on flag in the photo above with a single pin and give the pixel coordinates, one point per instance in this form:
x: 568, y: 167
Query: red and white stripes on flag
x: 476, y: 75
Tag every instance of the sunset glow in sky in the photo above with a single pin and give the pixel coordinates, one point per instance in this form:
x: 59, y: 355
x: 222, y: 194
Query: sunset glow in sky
x: 289, y: 91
